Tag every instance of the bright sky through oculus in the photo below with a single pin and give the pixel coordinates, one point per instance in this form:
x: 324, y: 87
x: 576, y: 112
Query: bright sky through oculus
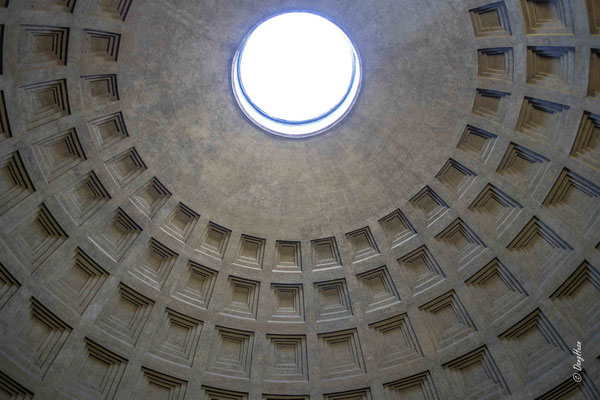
x: 296, y: 66
x: 296, y: 74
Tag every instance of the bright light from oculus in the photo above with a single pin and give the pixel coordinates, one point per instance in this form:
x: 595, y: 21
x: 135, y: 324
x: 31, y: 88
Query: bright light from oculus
x: 296, y: 74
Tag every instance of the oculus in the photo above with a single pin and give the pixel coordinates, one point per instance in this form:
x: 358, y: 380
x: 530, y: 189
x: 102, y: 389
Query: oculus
x: 296, y: 74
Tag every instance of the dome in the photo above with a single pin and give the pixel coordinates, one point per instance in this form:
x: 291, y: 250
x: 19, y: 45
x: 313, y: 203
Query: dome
x: 437, y: 239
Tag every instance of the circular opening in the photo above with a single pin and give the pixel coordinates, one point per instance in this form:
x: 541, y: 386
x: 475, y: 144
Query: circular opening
x: 296, y: 74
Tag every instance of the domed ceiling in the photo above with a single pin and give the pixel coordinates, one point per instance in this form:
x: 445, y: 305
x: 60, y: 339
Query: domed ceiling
x: 440, y: 242
x: 419, y: 78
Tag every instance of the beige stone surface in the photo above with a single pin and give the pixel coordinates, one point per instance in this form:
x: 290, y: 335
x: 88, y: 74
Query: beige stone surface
x: 441, y: 242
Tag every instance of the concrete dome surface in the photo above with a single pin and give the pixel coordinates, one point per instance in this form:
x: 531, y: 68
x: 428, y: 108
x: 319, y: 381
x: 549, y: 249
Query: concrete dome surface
x: 442, y: 241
